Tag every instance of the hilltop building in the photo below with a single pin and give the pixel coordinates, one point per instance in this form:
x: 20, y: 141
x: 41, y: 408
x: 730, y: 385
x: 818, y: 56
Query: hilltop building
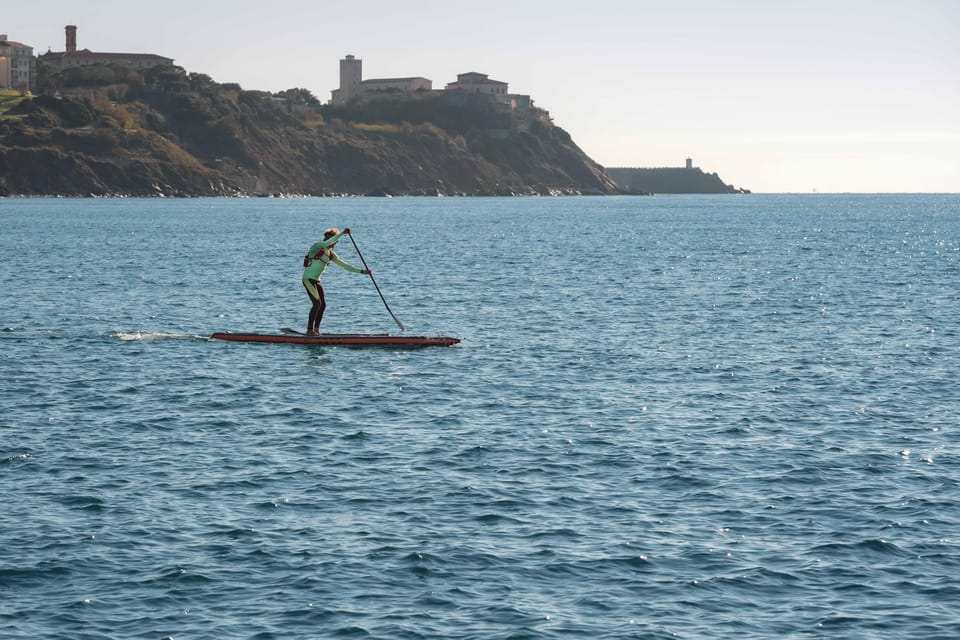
x: 351, y: 75
x: 478, y: 83
x: 468, y: 84
x: 78, y: 58
x: 352, y: 83
x: 18, y: 67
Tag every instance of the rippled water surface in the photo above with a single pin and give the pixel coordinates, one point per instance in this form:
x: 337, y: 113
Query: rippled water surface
x: 691, y: 417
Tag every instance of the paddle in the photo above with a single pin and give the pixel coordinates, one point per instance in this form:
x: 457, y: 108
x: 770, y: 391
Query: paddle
x: 399, y: 324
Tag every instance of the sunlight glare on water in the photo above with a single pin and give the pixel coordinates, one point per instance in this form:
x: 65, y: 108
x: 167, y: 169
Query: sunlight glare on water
x: 686, y: 416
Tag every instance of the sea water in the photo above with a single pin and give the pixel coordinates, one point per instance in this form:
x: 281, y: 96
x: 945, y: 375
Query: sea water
x: 687, y: 416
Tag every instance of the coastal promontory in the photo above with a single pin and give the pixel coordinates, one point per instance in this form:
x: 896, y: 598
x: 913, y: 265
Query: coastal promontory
x: 109, y: 130
x: 670, y: 180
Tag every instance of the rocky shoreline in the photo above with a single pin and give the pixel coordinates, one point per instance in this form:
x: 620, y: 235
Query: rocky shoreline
x: 183, y: 135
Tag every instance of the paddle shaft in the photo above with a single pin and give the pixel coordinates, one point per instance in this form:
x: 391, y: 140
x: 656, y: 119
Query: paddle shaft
x: 370, y: 273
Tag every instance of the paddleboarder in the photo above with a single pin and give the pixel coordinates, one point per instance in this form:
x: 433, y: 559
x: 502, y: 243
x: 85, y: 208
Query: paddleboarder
x: 315, y: 263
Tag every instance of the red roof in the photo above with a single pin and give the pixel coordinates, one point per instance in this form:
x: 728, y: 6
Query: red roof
x: 86, y: 53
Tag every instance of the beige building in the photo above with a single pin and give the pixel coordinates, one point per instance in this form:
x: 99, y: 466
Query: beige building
x: 73, y: 57
x: 18, y: 67
x: 479, y: 83
x: 467, y: 85
x: 352, y: 83
x: 396, y: 84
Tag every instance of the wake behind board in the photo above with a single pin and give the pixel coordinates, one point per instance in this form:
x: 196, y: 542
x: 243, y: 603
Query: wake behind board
x: 291, y: 336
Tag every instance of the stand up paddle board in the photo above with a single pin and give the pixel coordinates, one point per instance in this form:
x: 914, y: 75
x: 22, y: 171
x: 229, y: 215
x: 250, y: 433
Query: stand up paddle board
x: 292, y: 336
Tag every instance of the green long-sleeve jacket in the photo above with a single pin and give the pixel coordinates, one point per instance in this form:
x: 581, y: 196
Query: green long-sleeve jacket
x: 320, y: 255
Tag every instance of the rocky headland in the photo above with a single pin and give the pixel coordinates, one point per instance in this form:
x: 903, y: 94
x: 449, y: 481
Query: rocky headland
x: 114, y: 131
x: 670, y: 180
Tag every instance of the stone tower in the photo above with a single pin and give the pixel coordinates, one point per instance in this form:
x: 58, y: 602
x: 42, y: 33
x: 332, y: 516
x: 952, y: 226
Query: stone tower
x: 71, y: 38
x: 351, y: 74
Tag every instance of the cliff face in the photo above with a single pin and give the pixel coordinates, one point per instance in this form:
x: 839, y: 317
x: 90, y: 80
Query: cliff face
x: 170, y: 133
x: 670, y: 180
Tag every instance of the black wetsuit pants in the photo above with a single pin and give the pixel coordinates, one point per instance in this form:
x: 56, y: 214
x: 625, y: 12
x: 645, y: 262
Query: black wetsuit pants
x: 318, y: 306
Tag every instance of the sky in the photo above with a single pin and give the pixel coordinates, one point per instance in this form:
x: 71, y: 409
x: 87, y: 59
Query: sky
x: 775, y: 96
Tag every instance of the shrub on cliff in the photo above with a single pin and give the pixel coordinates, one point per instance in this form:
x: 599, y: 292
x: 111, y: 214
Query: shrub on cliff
x: 47, y: 110
x: 99, y: 75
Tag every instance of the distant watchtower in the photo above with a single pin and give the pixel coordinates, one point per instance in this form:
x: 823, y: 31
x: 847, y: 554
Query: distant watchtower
x: 689, y: 163
x: 71, y: 38
x: 351, y: 75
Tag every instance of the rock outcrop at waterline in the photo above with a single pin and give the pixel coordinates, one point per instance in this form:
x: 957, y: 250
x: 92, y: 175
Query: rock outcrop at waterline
x: 670, y: 180
x: 165, y: 132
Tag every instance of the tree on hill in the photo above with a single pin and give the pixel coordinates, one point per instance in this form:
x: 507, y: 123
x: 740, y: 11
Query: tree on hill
x: 299, y: 97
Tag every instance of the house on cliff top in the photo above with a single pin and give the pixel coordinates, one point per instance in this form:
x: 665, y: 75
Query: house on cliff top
x: 78, y: 58
x: 18, y: 67
x: 478, y: 83
x: 352, y: 83
x: 468, y: 84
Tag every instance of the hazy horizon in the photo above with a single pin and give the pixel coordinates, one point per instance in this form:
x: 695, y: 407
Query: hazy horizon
x: 845, y: 96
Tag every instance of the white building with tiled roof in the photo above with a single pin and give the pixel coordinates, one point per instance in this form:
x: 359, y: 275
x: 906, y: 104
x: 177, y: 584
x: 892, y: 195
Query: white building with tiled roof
x: 18, y: 67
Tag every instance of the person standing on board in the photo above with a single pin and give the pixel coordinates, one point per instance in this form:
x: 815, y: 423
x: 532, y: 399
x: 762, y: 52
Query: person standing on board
x: 315, y: 263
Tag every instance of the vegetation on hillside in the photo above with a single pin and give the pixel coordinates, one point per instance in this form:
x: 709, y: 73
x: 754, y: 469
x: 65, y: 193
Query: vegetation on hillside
x: 110, y: 129
x: 10, y: 99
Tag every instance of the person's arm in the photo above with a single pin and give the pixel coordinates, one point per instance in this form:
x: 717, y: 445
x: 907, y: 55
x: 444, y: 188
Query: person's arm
x: 335, y: 259
x: 332, y: 239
